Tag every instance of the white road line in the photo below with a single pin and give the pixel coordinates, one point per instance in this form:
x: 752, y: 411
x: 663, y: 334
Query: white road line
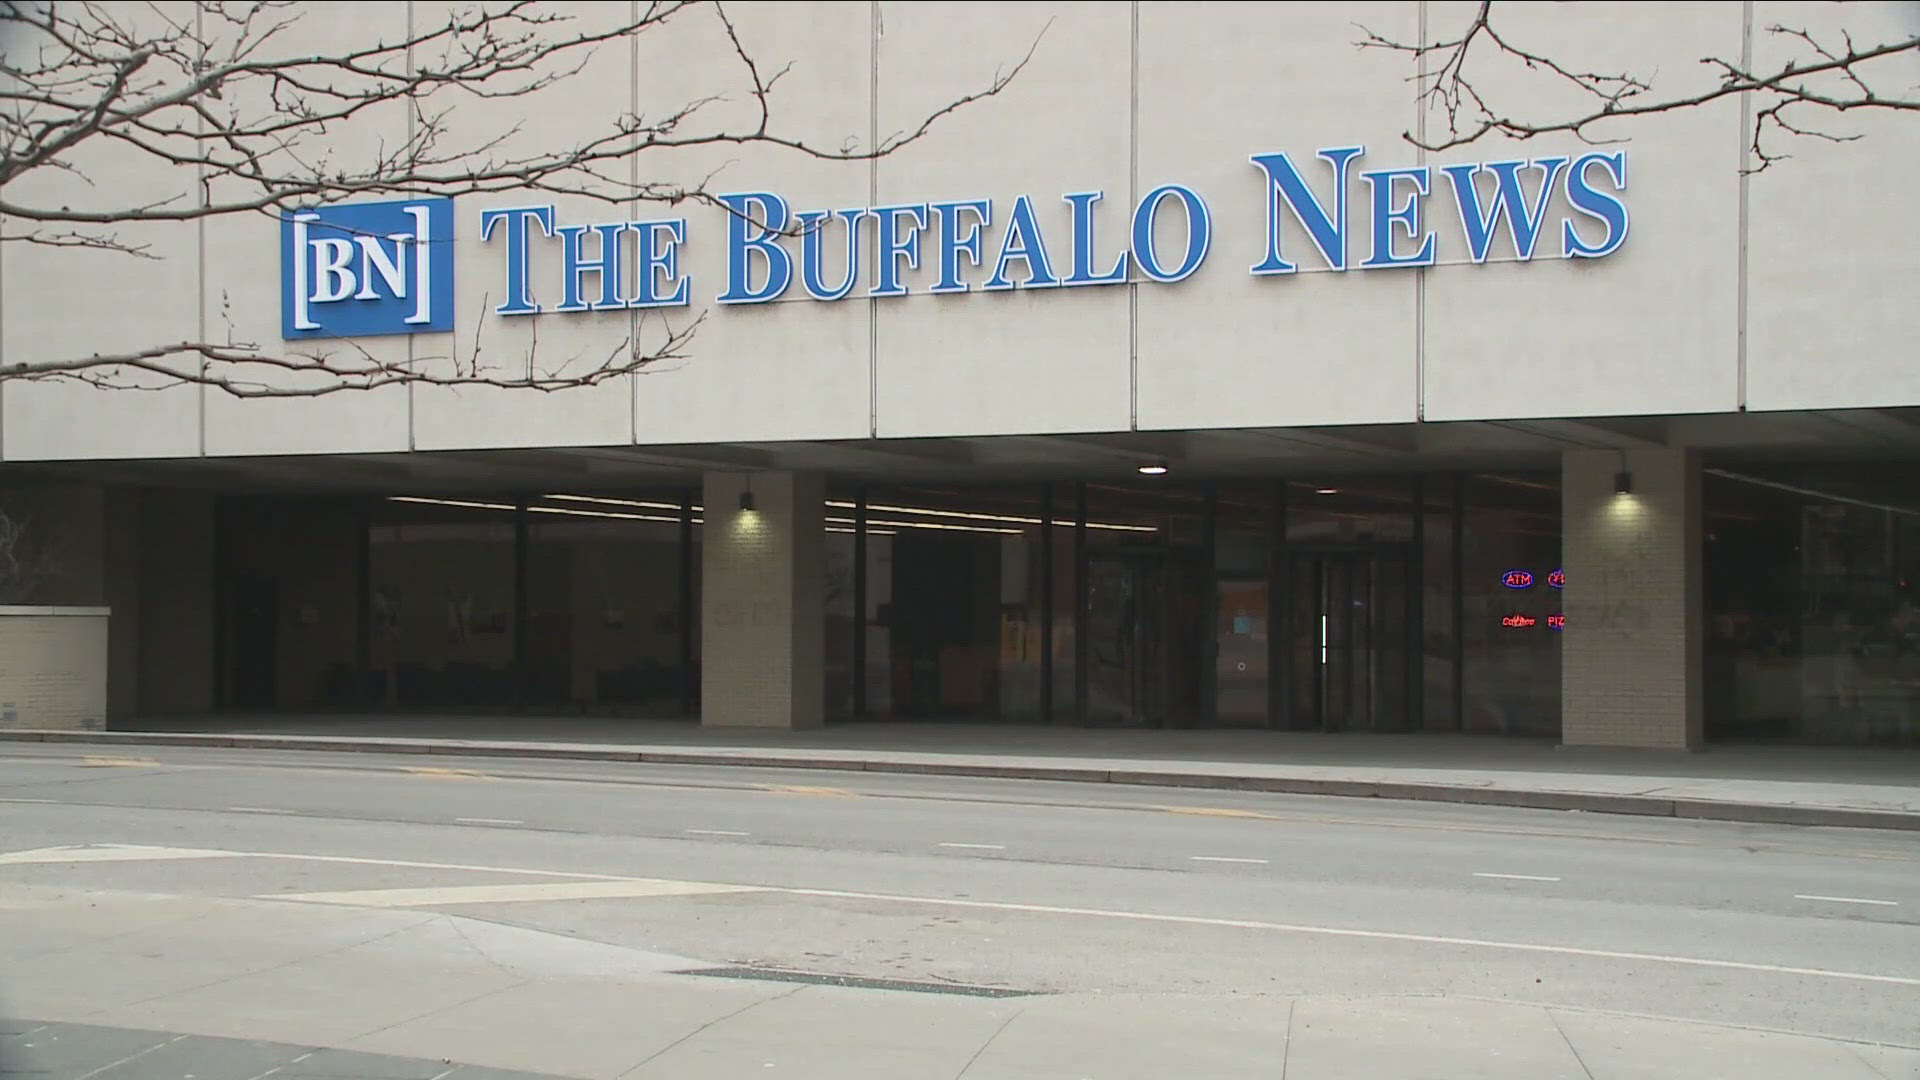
x: 1848, y: 900
x: 1517, y: 877
x: 489, y: 821
x: 715, y: 832
x: 1372, y: 935
x: 505, y: 894
x: 110, y: 853
x: 258, y: 810
x: 1224, y: 858
x: 27, y: 800
x: 1147, y: 916
x: 978, y: 847
x: 130, y: 1057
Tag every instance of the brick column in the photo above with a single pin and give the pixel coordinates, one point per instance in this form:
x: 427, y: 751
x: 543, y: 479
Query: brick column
x: 762, y: 615
x: 1630, y: 655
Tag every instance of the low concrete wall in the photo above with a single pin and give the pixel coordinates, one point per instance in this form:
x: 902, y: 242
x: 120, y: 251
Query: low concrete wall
x: 53, y: 667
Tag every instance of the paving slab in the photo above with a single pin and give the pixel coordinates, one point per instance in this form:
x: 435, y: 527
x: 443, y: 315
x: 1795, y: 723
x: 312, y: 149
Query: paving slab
x: 1632, y: 1048
x: 55, y: 1051
x: 597, y: 1028
x: 835, y: 1033
x: 1137, y: 1037
x: 1431, y: 1038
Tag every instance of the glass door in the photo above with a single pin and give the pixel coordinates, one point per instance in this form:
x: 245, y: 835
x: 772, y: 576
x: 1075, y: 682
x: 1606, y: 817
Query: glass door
x: 1146, y: 636
x: 1349, y: 614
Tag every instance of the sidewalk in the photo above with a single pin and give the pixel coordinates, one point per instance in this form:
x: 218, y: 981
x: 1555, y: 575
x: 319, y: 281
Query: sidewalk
x: 1835, y: 786
x: 423, y: 995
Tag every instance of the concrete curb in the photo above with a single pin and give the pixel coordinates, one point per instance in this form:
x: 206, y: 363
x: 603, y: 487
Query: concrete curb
x: 1592, y: 802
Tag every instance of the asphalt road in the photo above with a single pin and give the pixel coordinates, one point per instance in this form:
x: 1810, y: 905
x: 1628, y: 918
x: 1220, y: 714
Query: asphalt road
x: 1019, y: 885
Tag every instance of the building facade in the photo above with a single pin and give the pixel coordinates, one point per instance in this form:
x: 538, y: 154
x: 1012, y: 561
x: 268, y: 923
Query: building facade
x: 1173, y: 385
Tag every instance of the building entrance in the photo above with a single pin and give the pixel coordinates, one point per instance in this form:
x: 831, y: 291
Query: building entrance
x: 1348, y: 616
x: 1146, y: 630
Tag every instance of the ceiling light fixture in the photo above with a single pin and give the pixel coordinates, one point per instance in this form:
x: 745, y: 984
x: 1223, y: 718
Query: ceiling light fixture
x: 1153, y: 468
x: 1011, y: 519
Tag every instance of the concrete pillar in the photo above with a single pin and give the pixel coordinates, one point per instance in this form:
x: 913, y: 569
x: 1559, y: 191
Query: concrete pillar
x: 175, y: 616
x: 762, y: 619
x: 122, y: 579
x: 1630, y: 659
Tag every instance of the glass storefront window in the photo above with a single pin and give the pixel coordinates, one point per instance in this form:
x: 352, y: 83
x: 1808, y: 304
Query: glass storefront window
x: 603, y: 616
x: 442, y: 599
x: 1149, y: 617
x: 1439, y: 673
x: 1242, y: 631
x: 953, y: 601
x: 1510, y: 599
x: 289, y: 602
x: 1813, y: 618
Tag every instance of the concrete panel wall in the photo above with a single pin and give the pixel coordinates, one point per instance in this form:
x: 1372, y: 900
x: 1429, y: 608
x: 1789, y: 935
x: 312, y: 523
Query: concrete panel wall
x: 1116, y: 98
x: 1219, y: 82
x: 1830, y: 266
x: 1652, y: 328
x: 997, y: 362
x: 65, y: 302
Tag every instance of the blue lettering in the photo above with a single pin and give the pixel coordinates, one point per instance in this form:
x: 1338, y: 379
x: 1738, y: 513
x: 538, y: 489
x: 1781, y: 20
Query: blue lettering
x: 954, y: 242
x: 812, y: 223
x: 1082, y: 202
x: 896, y: 243
x: 574, y: 266
x: 519, y: 300
x: 1380, y: 184
x: 1598, y: 205
x: 1199, y: 232
x: 1031, y: 250
x: 1509, y: 201
x: 754, y: 220
x: 1328, y: 232
x: 660, y: 263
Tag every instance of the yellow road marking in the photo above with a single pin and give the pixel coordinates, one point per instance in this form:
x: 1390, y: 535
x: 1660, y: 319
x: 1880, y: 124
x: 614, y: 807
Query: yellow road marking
x: 1214, y: 811
x: 117, y: 763
x: 798, y: 789
x: 438, y: 773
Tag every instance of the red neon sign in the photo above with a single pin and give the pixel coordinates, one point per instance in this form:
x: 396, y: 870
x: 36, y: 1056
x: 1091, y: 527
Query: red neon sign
x: 1557, y: 579
x: 1517, y: 579
x: 1518, y: 621
x: 1556, y: 622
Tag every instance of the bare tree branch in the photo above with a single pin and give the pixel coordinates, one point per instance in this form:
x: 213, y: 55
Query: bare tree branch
x: 1828, y: 78
x: 214, y: 90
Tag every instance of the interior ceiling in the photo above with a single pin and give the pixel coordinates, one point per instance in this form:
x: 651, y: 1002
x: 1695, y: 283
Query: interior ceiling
x: 1724, y: 439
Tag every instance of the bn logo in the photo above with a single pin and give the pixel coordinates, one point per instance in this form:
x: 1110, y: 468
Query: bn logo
x: 368, y: 268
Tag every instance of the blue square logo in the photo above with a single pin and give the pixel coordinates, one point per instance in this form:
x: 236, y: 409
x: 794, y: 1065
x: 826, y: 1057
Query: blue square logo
x: 366, y: 269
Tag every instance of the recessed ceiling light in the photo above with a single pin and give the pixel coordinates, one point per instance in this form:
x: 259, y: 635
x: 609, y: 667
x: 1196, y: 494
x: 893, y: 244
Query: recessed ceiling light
x: 1326, y: 491
x: 1154, y: 468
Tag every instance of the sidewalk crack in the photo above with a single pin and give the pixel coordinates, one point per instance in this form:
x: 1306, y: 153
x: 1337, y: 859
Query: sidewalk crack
x: 1572, y: 1049
x: 1004, y: 1024
x: 716, y: 1020
x: 1286, y: 1051
x: 436, y: 1011
x: 1871, y: 1067
x: 256, y: 971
